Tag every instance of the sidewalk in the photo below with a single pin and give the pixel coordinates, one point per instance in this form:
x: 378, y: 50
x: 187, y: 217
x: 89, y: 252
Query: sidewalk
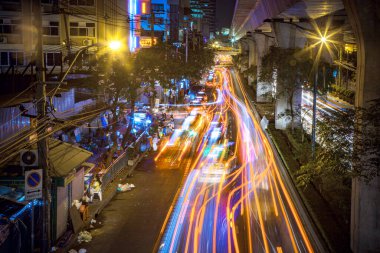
x: 133, y: 219
x: 97, y: 206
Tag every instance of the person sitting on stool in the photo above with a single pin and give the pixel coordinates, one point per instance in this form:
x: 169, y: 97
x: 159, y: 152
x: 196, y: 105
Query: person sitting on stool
x: 96, y: 188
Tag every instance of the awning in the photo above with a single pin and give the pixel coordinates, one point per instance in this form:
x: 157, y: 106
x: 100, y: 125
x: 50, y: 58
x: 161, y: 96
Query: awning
x: 88, y: 167
x: 64, y: 159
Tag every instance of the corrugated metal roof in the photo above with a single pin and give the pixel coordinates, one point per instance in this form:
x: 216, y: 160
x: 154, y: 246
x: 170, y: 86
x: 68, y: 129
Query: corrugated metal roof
x: 65, y: 157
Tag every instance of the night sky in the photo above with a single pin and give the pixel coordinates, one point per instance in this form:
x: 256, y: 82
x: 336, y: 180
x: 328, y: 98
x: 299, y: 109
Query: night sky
x: 224, y: 12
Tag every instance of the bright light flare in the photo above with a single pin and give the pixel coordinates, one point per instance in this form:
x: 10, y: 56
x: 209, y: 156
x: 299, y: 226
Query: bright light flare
x: 114, y: 45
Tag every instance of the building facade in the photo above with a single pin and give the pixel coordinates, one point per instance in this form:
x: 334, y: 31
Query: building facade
x: 66, y: 27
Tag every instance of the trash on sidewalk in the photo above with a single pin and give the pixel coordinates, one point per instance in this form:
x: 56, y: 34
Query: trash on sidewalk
x: 84, y: 236
x: 77, y: 203
x: 72, y: 251
x: 125, y: 187
x: 82, y: 251
x: 93, y: 221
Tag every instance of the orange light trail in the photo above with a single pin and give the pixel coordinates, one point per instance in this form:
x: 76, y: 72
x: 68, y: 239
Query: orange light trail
x: 256, y: 186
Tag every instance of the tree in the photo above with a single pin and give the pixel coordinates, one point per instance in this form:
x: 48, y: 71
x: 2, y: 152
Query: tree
x: 138, y: 73
x: 166, y: 63
x: 334, y: 151
x: 346, y: 149
x: 290, y: 69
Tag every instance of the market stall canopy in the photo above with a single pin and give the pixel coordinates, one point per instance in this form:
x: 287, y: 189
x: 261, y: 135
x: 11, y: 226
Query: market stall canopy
x: 64, y: 159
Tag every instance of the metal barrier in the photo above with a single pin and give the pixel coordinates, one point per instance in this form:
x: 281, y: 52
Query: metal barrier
x: 114, y: 169
x: 119, y: 164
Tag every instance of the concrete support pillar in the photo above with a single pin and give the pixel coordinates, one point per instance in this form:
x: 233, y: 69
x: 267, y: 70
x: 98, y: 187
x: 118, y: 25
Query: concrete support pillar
x: 364, y: 16
x: 287, y: 36
x: 262, y: 45
x: 251, y: 57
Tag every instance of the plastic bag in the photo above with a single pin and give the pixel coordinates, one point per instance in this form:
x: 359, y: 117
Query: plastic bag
x: 84, y: 236
x: 125, y: 187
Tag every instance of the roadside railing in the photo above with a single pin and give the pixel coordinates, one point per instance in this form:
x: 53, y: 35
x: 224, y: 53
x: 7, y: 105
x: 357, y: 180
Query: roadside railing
x: 119, y: 163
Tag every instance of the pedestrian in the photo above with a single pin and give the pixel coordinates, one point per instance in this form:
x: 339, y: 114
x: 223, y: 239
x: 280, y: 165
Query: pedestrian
x: 154, y: 142
x: 96, y: 187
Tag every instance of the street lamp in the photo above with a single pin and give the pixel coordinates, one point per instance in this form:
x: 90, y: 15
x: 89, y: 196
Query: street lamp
x: 323, y: 40
x: 114, y: 45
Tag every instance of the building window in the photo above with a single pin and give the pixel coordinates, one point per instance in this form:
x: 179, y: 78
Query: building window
x: 82, y: 29
x: 145, y: 17
x: 16, y: 58
x: 11, y: 58
x: 4, y: 59
x: 143, y: 8
x: 159, y: 21
x: 10, y: 26
x: 158, y: 8
x: 51, y: 29
x: 82, y: 2
x: 52, y: 59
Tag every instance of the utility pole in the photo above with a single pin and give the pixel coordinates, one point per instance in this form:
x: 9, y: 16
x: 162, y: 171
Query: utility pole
x: 314, y: 122
x: 340, y: 67
x: 152, y: 21
x: 41, y: 114
x: 68, y: 44
x: 187, y: 43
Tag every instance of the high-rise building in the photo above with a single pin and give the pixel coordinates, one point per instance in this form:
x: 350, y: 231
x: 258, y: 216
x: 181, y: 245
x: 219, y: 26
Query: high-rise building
x: 203, y: 16
x: 174, y: 20
x: 209, y: 10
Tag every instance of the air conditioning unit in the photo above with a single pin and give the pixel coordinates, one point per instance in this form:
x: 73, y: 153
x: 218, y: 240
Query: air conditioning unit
x: 87, y: 42
x: 29, y: 158
x: 3, y: 40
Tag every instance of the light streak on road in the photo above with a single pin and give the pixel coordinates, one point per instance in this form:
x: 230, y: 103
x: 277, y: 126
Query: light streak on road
x: 324, y: 106
x: 217, y: 102
x: 226, y: 209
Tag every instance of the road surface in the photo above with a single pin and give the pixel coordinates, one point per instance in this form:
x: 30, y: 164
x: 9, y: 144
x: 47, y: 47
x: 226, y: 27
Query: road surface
x: 235, y: 198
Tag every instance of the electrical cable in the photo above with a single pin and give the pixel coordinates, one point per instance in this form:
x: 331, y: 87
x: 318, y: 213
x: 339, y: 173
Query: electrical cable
x: 10, y: 153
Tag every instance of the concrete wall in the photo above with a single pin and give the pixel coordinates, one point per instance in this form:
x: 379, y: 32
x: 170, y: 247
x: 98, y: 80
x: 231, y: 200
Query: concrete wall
x: 62, y: 210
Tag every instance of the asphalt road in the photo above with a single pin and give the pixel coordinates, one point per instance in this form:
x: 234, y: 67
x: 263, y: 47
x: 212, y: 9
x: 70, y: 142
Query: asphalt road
x: 132, y: 220
x: 251, y: 208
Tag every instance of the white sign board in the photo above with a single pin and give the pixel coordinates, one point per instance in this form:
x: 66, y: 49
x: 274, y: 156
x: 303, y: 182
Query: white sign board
x: 264, y: 123
x: 33, y: 184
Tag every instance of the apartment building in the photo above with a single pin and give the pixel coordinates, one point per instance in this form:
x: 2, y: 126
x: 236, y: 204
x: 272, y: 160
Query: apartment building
x: 160, y: 29
x: 67, y: 25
